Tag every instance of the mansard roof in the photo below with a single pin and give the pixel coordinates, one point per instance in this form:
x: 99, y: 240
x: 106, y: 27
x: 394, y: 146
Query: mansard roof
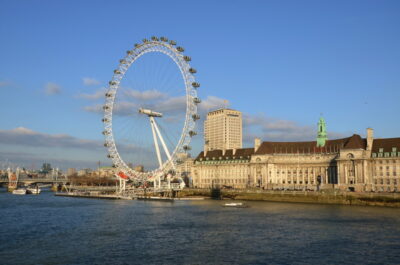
x: 355, y: 142
x: 387, y: 144
x: 242, y: 153
x: 331, y: 146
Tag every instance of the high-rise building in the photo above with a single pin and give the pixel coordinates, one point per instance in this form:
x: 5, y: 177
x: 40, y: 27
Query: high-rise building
x: 223, y: 129
x: 71, y: 171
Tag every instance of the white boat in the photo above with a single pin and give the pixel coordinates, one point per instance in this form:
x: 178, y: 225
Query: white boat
x: 19, y: 191
x: 33, y: 190
x: 235, y: 204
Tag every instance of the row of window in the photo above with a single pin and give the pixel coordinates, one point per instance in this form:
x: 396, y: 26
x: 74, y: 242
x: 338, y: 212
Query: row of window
x: 386, y: 181
x: 224, y: 181
x: 386, y: 154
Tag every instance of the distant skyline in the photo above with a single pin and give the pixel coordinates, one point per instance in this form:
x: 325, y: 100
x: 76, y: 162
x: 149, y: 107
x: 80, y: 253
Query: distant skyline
x: 282, y: 63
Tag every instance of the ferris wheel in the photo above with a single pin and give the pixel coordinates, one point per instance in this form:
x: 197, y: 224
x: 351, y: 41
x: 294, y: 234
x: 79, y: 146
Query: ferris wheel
x: 150, y: 110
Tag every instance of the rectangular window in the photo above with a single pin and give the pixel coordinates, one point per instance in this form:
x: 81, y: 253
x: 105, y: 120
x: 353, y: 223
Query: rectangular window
x: 380, y: 150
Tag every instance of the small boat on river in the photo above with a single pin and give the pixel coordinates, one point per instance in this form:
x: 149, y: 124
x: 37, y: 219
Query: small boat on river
x: 235, y: 204
x: 19, y: 191
x: 33, y: 190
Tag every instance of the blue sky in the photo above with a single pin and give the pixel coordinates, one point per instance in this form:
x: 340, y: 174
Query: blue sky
x: 281, y: 63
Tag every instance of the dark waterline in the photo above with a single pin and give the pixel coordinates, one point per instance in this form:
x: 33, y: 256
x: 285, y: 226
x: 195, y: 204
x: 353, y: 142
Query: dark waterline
x: 46, y: 229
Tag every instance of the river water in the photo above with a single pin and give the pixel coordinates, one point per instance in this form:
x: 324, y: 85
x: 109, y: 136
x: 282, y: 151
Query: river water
x: 46, y: 229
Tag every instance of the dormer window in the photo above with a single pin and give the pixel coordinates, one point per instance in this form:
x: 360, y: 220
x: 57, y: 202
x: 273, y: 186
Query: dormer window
x: 380, y: 150
x: 394, y: 149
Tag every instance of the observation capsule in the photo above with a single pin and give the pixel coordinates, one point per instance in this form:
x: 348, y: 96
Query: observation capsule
x: 154, y: 38
x: 108, y: 95
x: 163, y: 39
x: 105, y: 132
x: 110, y: 156
x: 104, y: 120
x: 196, y: 100
x: 117, y: 72
x: 172, y: 42
x: 145, y: 40
x: 150, y: 113
x: 122, y: 61
x: 192, y: 70
x: 180, y: 49
x: 112, y: 83
x: 186, y: 148
x: 192, y: 133
x: 136, y: 45
x: 129, y: 52
x: 196, y: 117
x: 187, y: 58
x: 105, y: 107
x: 106, y: 145
x: 195, y: 84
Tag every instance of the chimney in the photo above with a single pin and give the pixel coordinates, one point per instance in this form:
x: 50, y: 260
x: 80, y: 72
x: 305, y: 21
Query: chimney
x: 257, y: 143
x: 205, y: 149
x: 370, y: 138
x: 234, y: 151
x: 223, y: 151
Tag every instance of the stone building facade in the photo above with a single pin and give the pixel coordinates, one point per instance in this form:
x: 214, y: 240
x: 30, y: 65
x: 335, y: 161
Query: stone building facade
x: 352, y: 163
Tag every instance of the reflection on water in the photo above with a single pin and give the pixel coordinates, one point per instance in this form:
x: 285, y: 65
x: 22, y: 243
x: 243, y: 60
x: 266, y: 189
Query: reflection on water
x: 46, y: 229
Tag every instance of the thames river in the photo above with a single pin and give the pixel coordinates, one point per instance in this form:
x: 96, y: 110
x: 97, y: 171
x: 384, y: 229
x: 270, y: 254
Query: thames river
x: 45, y: 229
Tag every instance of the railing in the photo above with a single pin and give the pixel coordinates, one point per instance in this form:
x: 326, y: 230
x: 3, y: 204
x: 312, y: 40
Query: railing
x: 33, y: 180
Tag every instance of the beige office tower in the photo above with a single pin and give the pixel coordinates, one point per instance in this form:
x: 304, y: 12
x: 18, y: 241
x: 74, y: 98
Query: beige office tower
x: 223, y: 130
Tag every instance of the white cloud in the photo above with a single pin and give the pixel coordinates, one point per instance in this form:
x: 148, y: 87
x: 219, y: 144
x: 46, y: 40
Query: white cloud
x: 212, y: 103
x: 5, y: 83
x: 27, y: 137
x: 22, y: 136
x: 273, y: 129
x: 87, y: 81
x: 52, y: 88
x: 94, y: 96
x: 144, y: 95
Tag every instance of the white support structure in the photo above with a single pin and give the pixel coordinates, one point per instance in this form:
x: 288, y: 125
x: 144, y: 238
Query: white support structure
x: 122, y: 184
x: 157, y: 134
x: 153, y: 125
x: 162, y: 140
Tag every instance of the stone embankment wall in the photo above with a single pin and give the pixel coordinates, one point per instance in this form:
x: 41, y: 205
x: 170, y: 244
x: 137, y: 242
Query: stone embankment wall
x: 323, y: 197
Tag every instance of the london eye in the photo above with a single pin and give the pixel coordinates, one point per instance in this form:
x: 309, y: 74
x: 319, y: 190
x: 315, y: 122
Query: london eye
x: 150, y: 110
